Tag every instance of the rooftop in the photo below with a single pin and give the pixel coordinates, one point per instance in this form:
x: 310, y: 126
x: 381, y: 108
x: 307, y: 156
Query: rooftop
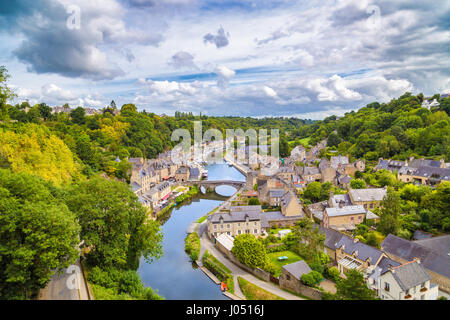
x: 297, y: 269
x: 375, y: 194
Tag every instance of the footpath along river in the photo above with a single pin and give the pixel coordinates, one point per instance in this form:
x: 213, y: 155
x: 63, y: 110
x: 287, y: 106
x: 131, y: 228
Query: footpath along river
x: 174, y: 276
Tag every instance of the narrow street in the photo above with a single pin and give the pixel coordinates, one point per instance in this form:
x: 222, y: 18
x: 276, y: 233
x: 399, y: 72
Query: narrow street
x: 66, y: 286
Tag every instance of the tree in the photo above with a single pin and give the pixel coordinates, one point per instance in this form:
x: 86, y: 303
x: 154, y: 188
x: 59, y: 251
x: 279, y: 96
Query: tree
x: 38, y: 235
x: 313, y: 191
x: 5, y: 93
x: 45, y: 111
x: 357, y: 184
x: 253, y: 202
x: 390, y: 213
x: 78, y: 116
x: 333, y: 140
x: 113, y: 224
x: 249, y: 251
x: 307, y: 241
x: 353, y: 287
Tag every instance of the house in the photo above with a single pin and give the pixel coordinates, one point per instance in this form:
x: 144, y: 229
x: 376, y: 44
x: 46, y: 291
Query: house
x: 338, y: 162
x: 425, y: 175
x: 408, y: 281
x: 391, y: 165
x: 344, y: 218
x: 275, y: 197
x: 240, y: 220
x: 368, y: 198
x: 433, y: 254
x: 225, y: 243
x: 290, y: 205
x: 344, y: 181
x: 353, y: 254
x: 194, y: 174
x: 285, y: 173
x: 310, y: 174
x: 291, y: 275
x: 332, y: 237
x: 328, y: 173
x: 182, y: 174
x: 298, y: 153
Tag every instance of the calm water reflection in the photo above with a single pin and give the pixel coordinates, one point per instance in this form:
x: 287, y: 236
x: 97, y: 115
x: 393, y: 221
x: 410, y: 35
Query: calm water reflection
x: 174, y: 276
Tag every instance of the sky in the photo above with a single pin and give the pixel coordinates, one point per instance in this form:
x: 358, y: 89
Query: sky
x: 307, y: 59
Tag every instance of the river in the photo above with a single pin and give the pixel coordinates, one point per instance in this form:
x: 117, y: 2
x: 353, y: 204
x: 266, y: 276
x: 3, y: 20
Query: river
x: 174, y: 276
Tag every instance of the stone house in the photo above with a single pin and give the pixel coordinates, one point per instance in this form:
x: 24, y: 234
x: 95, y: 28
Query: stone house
x: 433, y: 255
x: 310, y: 174
x: 344, y: 217
x: 368, y: 198
x: 275, y: 197
x: 290, y: 279
x: 240, y: 220
x: 285, y: 173
x: 424, y: 175
x: 409, y: 281
x: 290, y: 205
x: 182, y: 174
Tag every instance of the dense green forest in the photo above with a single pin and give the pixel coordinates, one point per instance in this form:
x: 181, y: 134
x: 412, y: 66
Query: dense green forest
x: 398, y: 130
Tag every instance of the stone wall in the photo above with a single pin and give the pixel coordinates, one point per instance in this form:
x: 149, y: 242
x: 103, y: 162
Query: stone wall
x: 295, y: 285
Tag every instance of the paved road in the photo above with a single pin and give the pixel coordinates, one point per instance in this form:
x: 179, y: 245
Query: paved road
x: 65, y: 286
x: 238, y: 272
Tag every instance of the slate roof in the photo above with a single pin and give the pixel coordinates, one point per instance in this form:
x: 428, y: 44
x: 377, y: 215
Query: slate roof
x: 277, y: 216
x: 408, y: 250
x: 345, y: 211
x: 433, y: 172
x: 276, y: 193
x: 410, y: 274
x: 363, y: 250
x: 297, y: 269
x: 337, y: 160
x: 417, y: 163
x: 344, y: 179
x: 135, y: 186
x: 310, y: 171
x: 375, y: 194
x: 332, y: 237
x: 344, y: 198
x: 439, y: 244
x: 194, y: 172
x: 235, y: 216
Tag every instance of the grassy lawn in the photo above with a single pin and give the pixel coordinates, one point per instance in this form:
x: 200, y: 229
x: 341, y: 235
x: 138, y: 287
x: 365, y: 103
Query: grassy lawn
x: 305, y: 141
x: 253, y: 292
x: 292, y: 257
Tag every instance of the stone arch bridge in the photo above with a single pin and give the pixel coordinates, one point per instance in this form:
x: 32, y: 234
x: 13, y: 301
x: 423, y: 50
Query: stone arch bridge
x: 213, y: 184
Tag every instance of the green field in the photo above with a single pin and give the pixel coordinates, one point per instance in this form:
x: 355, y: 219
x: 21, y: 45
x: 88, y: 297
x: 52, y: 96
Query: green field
x: 273, y: 257
x: 253, y: 292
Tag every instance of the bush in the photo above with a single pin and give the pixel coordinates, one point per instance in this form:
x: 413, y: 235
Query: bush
x: 192, y: 246
x: 317, y: 267
x: 333, y: 274
x: 308, y: 279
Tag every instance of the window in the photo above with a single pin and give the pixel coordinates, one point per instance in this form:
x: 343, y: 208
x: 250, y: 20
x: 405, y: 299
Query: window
x: 288, y: 277
x: 228, y: 225
x: 228, y: 233
x: 239, y: 231
x: 256, y: 231
x: 215, y: 227
x: 239, y: 224
x: 256, y: 223
x: 386, y: 286
x: 371, y: 206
